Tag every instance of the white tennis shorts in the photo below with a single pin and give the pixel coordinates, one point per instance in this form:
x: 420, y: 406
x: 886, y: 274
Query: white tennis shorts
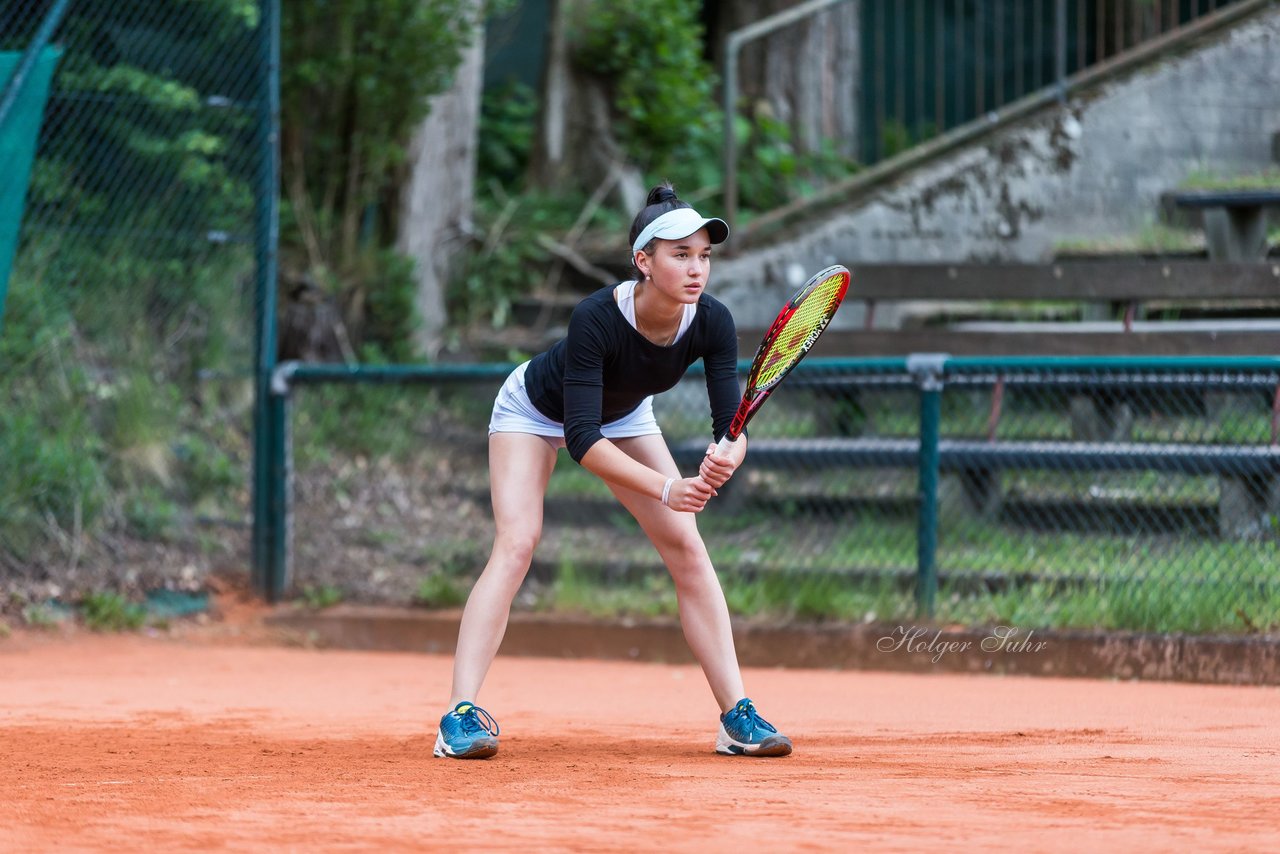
x: 513, y: 412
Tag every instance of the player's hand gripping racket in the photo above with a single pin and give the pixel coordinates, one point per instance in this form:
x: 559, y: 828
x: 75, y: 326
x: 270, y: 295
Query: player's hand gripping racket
x: 792, y: 335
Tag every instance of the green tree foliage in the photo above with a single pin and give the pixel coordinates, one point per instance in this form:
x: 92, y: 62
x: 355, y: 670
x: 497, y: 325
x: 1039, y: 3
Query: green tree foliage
x: 507, y: 117
x: 128, y: 279
x: 166, y: 154
x: 649, y: 57
x: 356, y: 80
x: 652, y: 51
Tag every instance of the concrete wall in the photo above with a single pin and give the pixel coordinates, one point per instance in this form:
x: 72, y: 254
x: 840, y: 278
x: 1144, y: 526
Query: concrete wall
x: 1092, y: 169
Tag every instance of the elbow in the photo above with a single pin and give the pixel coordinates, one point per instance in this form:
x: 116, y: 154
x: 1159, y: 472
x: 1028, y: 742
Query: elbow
x: 578, y: 444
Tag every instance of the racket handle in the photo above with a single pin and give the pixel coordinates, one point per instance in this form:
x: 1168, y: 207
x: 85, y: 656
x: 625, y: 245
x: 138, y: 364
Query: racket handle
x: 722, y: 447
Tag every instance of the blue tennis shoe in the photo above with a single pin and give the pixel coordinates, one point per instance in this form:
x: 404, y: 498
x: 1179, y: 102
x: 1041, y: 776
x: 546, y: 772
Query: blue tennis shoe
x: 468, y: 732
x: 744, y: 733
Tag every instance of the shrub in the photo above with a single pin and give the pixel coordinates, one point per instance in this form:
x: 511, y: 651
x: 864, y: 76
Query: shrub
x: 111, y: 612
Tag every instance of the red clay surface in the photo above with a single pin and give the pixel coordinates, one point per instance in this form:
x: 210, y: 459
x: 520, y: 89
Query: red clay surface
x: 183, y: 744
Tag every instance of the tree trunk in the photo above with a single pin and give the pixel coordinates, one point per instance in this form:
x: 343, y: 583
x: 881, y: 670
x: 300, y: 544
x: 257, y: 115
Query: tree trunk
x: 575, y: 146
x: 807, y: 75
x: 436, y: 202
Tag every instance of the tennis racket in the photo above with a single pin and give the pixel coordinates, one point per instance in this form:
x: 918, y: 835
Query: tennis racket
x: 790, y: 337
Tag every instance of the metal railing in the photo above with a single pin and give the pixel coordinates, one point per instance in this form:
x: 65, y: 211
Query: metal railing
x: 1127, y: 493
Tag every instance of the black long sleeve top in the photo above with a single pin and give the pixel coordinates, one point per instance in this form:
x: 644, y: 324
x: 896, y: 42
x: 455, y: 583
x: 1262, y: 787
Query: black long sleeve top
x: 604, y: 368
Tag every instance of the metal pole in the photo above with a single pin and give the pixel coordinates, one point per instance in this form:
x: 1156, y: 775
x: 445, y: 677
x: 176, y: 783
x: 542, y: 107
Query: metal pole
x: 879, y: 96
x: 997, y: 20
x: 919, y: 122
x: 1019, y: 51
x: 939, y: 53
x: 733, y: 43
x: 979, y: 61
x: 280, y: 449
x: 775, y: 22
x: 962, y: 113
x: 927, y: 368
x: 1082, y: 39
x: 927, y: 522
x: 267, y: 572
x: 1060, y: 49
x: 900, y: 64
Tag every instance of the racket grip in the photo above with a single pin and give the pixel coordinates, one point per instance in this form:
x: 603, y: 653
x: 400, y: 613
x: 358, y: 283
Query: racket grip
x: 722, y: 447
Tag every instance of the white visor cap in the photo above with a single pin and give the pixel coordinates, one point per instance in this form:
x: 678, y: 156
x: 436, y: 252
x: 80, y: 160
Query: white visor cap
x: 681, y: 222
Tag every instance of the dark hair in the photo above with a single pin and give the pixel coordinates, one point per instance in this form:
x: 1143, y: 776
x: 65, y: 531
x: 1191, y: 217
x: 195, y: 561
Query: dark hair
x: 662, y: 199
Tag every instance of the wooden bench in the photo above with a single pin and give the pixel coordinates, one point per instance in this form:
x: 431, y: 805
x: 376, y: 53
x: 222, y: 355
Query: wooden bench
x: 1127, y: 285
x: 1234, y: 221
x: 1249, y: 475
x: 1101, y: 403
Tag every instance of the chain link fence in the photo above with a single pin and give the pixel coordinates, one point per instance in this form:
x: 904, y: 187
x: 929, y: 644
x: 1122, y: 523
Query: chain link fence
x: 125, y: 430
x: 1136, y: 495
x: 1083, y: 493
x: 1115, y: 496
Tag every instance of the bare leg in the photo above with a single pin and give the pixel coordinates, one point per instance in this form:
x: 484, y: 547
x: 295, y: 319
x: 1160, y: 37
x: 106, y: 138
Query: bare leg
x: 519, y: 467
x: 704, y: 614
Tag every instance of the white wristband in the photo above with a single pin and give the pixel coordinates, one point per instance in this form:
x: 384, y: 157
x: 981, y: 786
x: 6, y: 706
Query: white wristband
x: 666, y: 490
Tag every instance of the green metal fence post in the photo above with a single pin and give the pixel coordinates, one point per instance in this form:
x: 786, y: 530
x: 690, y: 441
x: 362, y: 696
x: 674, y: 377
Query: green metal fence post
x: 927, y: 369
x: 281, y: 456
x: 268, y: 414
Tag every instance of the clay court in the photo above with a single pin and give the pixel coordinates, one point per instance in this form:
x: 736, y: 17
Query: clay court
x: 194, y: 743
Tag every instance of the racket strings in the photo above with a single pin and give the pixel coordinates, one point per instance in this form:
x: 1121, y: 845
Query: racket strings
x: 790, y: 342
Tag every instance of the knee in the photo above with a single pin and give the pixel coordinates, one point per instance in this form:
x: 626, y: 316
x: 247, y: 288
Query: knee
x: 516, y: 548
x: 687, y: 561
x: 508, y: 564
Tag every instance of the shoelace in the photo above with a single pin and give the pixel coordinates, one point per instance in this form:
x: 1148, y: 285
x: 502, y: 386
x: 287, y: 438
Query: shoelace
x: 475, y: 719
x: 747, y: 709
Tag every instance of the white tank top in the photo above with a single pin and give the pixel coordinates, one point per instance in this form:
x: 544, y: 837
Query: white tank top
x: 625, y: 295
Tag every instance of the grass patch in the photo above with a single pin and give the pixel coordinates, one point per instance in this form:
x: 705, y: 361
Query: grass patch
x: 1137, y: 488
x: 813, y: 598
x: 151, y: 514
x: 1207, y: 179
x: 862, y: 567
x: 453, y: 556
x: 1230, y: 606
x: 570, y: 480
x: 321, y: 596
x: 111, y: 612
x: 441, y: 590
x: 106, y: 430
x: 44, y: 615
x: 390, y: 422
x: 577, y: 592
x: 1152, y: 238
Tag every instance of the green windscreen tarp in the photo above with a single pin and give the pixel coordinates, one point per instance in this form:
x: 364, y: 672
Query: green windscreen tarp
x: 17, y: 149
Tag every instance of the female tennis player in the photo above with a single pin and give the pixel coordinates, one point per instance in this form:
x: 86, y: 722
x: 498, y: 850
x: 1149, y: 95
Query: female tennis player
x: 592, y: 393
